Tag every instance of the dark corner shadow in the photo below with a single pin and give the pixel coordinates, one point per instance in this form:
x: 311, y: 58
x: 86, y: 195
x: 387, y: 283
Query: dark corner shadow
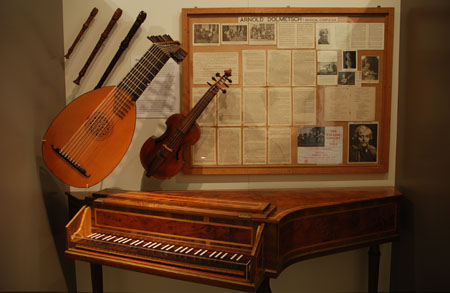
x: 402, y: 256
x: 56, y: 206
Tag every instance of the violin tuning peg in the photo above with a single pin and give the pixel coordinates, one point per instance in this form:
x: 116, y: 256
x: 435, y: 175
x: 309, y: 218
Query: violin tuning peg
x: 213, y: 78
x: 224, y: 91
x: 217, y: 74
x: 229, y: 80
x: 226, y: 85
x: 209, y: 83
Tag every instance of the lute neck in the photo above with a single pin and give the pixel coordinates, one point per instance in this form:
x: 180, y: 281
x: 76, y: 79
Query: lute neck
x: 143, y: 72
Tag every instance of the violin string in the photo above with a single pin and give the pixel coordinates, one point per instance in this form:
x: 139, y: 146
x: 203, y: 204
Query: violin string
x: 93, y: 121
x: 135, y: 84
x: 173, y: 141
x: 192, y: 116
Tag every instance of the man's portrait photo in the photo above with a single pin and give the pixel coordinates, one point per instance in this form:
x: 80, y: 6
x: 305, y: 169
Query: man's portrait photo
x: 325, y: 35
x: 363, y: 140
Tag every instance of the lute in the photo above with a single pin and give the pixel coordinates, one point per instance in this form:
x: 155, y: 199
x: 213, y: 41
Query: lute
x: 161, y: 156
x: 89, y: 137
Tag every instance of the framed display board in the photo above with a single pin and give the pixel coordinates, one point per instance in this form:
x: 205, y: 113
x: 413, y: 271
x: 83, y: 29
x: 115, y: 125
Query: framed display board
x: 310, y: 91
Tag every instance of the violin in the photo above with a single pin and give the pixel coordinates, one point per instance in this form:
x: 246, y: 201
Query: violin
x: 161, y: 156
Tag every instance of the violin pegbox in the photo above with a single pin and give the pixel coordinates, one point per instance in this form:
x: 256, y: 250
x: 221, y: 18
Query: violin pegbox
x: 220, y: 81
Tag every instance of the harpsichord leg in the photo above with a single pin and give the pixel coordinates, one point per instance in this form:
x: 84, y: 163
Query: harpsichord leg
x: 265, y: 286
x: 374, y: 264
x: 96, y: 278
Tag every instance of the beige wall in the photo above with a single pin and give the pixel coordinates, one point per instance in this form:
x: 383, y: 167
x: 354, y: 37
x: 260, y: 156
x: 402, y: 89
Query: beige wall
x: 33, y: 206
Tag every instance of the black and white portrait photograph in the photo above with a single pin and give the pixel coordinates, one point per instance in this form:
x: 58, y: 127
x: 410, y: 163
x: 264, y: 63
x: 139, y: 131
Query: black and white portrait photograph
x: 262, y: 34
x: 324, y: 35
x: 234, y: 34
x: 346, y: 78
x: 206, y: 34
x: 311, y: 136
x: 369, y: 69
x: 349, y: 60
x: 363, y: 142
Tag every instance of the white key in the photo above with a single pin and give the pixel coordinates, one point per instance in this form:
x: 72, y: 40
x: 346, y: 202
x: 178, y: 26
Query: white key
x: 233, y: 256
x: 158, y: 245
x: 217, y: 255
x: 170, y: 247
x: 197, y: 251
x: 237, y: 259
x: 153, y: 245
x: 118, y: 239
x: 140, y: 241
x: 165, y: 246
x: 181, y: 251
x: 223, y: 256
x: 123, y: 240
x: 181, y: 247
x: 145, y: 245
x: 132, y: 243
x: 92, y: 235
x: 206, y: 250
x: 212, y: 254
x: 126, y: 241
x: 189, y: 250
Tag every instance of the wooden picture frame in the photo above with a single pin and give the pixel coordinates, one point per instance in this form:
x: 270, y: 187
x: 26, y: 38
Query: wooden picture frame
x: 279, y: 144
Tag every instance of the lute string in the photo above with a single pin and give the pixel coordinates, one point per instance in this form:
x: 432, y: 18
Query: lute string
x: 132, y: 85
x: 73, y: 144
x: 129, y: 83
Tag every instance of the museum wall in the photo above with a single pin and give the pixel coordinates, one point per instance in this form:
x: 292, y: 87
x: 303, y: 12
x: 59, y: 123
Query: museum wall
x: 37, y: 84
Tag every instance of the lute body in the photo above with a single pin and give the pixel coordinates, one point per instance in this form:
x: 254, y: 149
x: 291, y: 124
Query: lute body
x: 102, y: 141
x: 89, y: 137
